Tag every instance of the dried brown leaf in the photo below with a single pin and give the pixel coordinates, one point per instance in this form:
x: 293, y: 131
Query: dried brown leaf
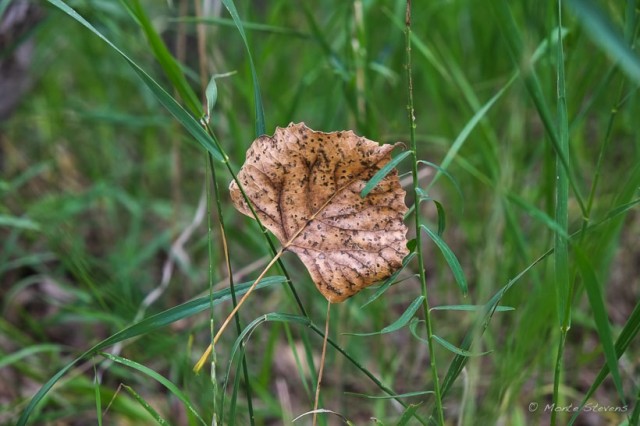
x: 305, y: 187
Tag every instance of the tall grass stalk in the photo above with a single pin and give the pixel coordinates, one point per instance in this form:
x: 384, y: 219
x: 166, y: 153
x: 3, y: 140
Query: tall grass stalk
x: 214, y: 380
x: 418, y: 221
x: 201, y: 33
x: 564, y: 289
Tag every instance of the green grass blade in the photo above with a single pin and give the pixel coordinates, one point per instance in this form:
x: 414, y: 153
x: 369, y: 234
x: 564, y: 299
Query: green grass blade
x: 466, y: 131
x: 400, y: 395
x: 158, y: 378
x: 600, y: 317
x: 43, y: 391
x: 631, y: 329
x: 442, y: 214
x: 401, y: 322
x: 553, y: 39
x: 384, y: 171
x: 513, y: 39
x: 251, y: 26
x: 144, y: 404
x: 304, y: 321
x: 30, y: 259
x: 456, y: 350
x: 24, y: 177
x: 617, y: 211
x: 164, y: 57
x: 236, y: 387
x: 453, y: 180
x: 538, y: 214
x: 28, y: 351
x: 451, y: 259
x: 183, y: 117
x: 242, y: 339
x: 145, y: 326
x: 324, y: 411
x: 211, y: 94
x: 260, y: 126
x: 635, y: 415
x: 408, y: 414
x: 561, y: 243
x: 184, y: 310
x: 319, y: 36
x: 563, y: 283
x: 472, y: 308
x: 627, y: 335
x: 97, y: 395
x: 389, y: 281
x: 18, y: 222
x: 480, y: 325
x: 604, y: 34
x: 442, y: 217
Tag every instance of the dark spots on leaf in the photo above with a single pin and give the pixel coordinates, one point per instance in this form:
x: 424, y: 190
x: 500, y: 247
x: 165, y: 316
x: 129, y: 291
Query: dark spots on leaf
x: 333, y: 289
x: 307, y: 171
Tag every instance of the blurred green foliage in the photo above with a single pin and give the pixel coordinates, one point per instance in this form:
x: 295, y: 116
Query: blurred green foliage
x: 99, y: 181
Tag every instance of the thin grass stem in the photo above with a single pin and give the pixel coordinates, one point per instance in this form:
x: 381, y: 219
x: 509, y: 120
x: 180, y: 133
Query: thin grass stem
x: 223, y: 236
x: 597, y: 173
x: 564, y: 286
x: 418, y: 222
x: 201, y: 37
x: 214, y: 381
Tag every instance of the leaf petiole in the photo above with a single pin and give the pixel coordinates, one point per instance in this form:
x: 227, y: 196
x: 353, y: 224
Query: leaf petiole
x: 226, y: 322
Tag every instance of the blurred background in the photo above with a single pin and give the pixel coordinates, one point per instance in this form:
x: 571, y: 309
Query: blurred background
x: 103, y: 217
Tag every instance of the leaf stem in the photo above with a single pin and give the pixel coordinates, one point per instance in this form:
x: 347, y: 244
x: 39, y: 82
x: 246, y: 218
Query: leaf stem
x: 272, y: 246
x: 418, y: 222
x: 226, y: 322
x: 322, y: 361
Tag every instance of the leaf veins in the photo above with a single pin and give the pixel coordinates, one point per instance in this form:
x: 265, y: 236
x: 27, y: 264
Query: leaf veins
x: 305, y: 187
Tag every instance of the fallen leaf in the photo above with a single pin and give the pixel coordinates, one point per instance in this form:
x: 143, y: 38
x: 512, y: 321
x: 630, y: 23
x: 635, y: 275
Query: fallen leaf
x: 305, y: 188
